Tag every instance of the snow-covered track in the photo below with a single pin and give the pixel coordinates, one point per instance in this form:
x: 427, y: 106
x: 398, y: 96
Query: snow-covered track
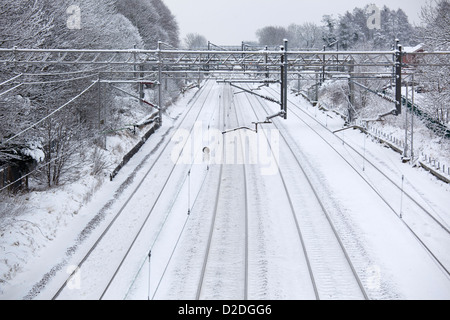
x: 387, y: 192
x: 160, y: 165
x: 331, y: 271
x: 224, y: 273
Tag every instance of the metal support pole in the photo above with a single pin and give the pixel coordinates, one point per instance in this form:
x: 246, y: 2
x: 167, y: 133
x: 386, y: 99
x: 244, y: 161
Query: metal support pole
x: 160, y: 102
x: 137, y: 75
x: 141, y: 85
x: 351, y: 94
x: 316, y: 91
x: 337, y: 56
x: 101, y: 121
x: 285, y: 79
x: 99, y: 103
x: 243, y: 56
x: 398, y: 78
x: 209, y: 49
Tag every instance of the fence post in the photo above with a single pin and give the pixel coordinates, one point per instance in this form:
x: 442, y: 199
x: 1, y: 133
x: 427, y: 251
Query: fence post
x: 398, y: 77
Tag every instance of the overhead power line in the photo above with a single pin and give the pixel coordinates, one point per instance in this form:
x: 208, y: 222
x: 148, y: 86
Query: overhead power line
x: 51, y: 114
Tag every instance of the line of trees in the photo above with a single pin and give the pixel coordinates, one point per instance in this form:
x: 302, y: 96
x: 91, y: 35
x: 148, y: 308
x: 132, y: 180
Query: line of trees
x: 350, y: 30
x: 104, y: 24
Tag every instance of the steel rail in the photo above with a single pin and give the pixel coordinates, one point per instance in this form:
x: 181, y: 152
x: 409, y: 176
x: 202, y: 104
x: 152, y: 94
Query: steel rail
x: 322, y: 206
x: 214, y: 217
x: 294, y: 214
x: 416, y: 236
x: 246, y: 218
x: 214, y: 221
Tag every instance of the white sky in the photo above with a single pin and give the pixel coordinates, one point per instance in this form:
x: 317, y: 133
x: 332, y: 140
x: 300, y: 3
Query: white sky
x: 229, y: 22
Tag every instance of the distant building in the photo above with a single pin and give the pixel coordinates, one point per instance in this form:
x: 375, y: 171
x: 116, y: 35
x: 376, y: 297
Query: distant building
x: 410, y: 56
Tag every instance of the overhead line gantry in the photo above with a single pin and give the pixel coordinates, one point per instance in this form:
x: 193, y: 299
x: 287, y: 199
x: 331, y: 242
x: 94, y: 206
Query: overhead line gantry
x: 253, y: 64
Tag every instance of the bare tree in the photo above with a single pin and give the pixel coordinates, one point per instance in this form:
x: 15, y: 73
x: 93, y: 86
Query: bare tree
x: 195, y: 41
x: 271, y: 35
x: 435, y: 34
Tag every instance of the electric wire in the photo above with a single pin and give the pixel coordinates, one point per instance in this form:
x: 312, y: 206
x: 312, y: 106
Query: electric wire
x: 50, y: 114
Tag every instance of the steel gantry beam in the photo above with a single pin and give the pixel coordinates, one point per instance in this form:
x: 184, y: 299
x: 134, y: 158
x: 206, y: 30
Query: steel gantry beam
x: 190, y: 60
x: 280, y: 65
x: 187, y: 59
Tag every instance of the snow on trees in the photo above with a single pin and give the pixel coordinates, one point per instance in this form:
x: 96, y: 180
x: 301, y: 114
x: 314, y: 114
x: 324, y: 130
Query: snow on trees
x: 104, y: 24
x: 195, y: 41
x: 350, y: 30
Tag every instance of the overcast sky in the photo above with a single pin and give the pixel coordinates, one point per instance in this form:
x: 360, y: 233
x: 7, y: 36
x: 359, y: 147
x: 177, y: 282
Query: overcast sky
x: 229, y: 22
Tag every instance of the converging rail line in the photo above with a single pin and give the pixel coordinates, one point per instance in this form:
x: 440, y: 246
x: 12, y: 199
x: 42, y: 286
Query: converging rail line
x: 330, y: 268
x: 385, y: 196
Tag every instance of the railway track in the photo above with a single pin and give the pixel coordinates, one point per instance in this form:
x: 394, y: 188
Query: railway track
x: 331, y: 271
x: 259, y: 236
x: 138, y: 210
x: 388, y: 191
x: 412, y: 198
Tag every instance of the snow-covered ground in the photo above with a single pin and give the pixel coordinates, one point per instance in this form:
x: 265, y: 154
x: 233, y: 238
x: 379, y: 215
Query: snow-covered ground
x: 255, y: 250
x: 39, y: 230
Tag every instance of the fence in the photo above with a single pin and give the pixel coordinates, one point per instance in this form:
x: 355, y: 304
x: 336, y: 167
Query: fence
x: 130, y: 154
x: 434, y: 165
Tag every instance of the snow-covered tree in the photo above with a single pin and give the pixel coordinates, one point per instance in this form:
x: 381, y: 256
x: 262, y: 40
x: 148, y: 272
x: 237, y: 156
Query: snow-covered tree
x: 394, y: 25
x: 272, y: 35
x: 153, y: 20
x: 329, y: 30
x: 195, y: 41
x: 104, y: 24
x: 307, y: 35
